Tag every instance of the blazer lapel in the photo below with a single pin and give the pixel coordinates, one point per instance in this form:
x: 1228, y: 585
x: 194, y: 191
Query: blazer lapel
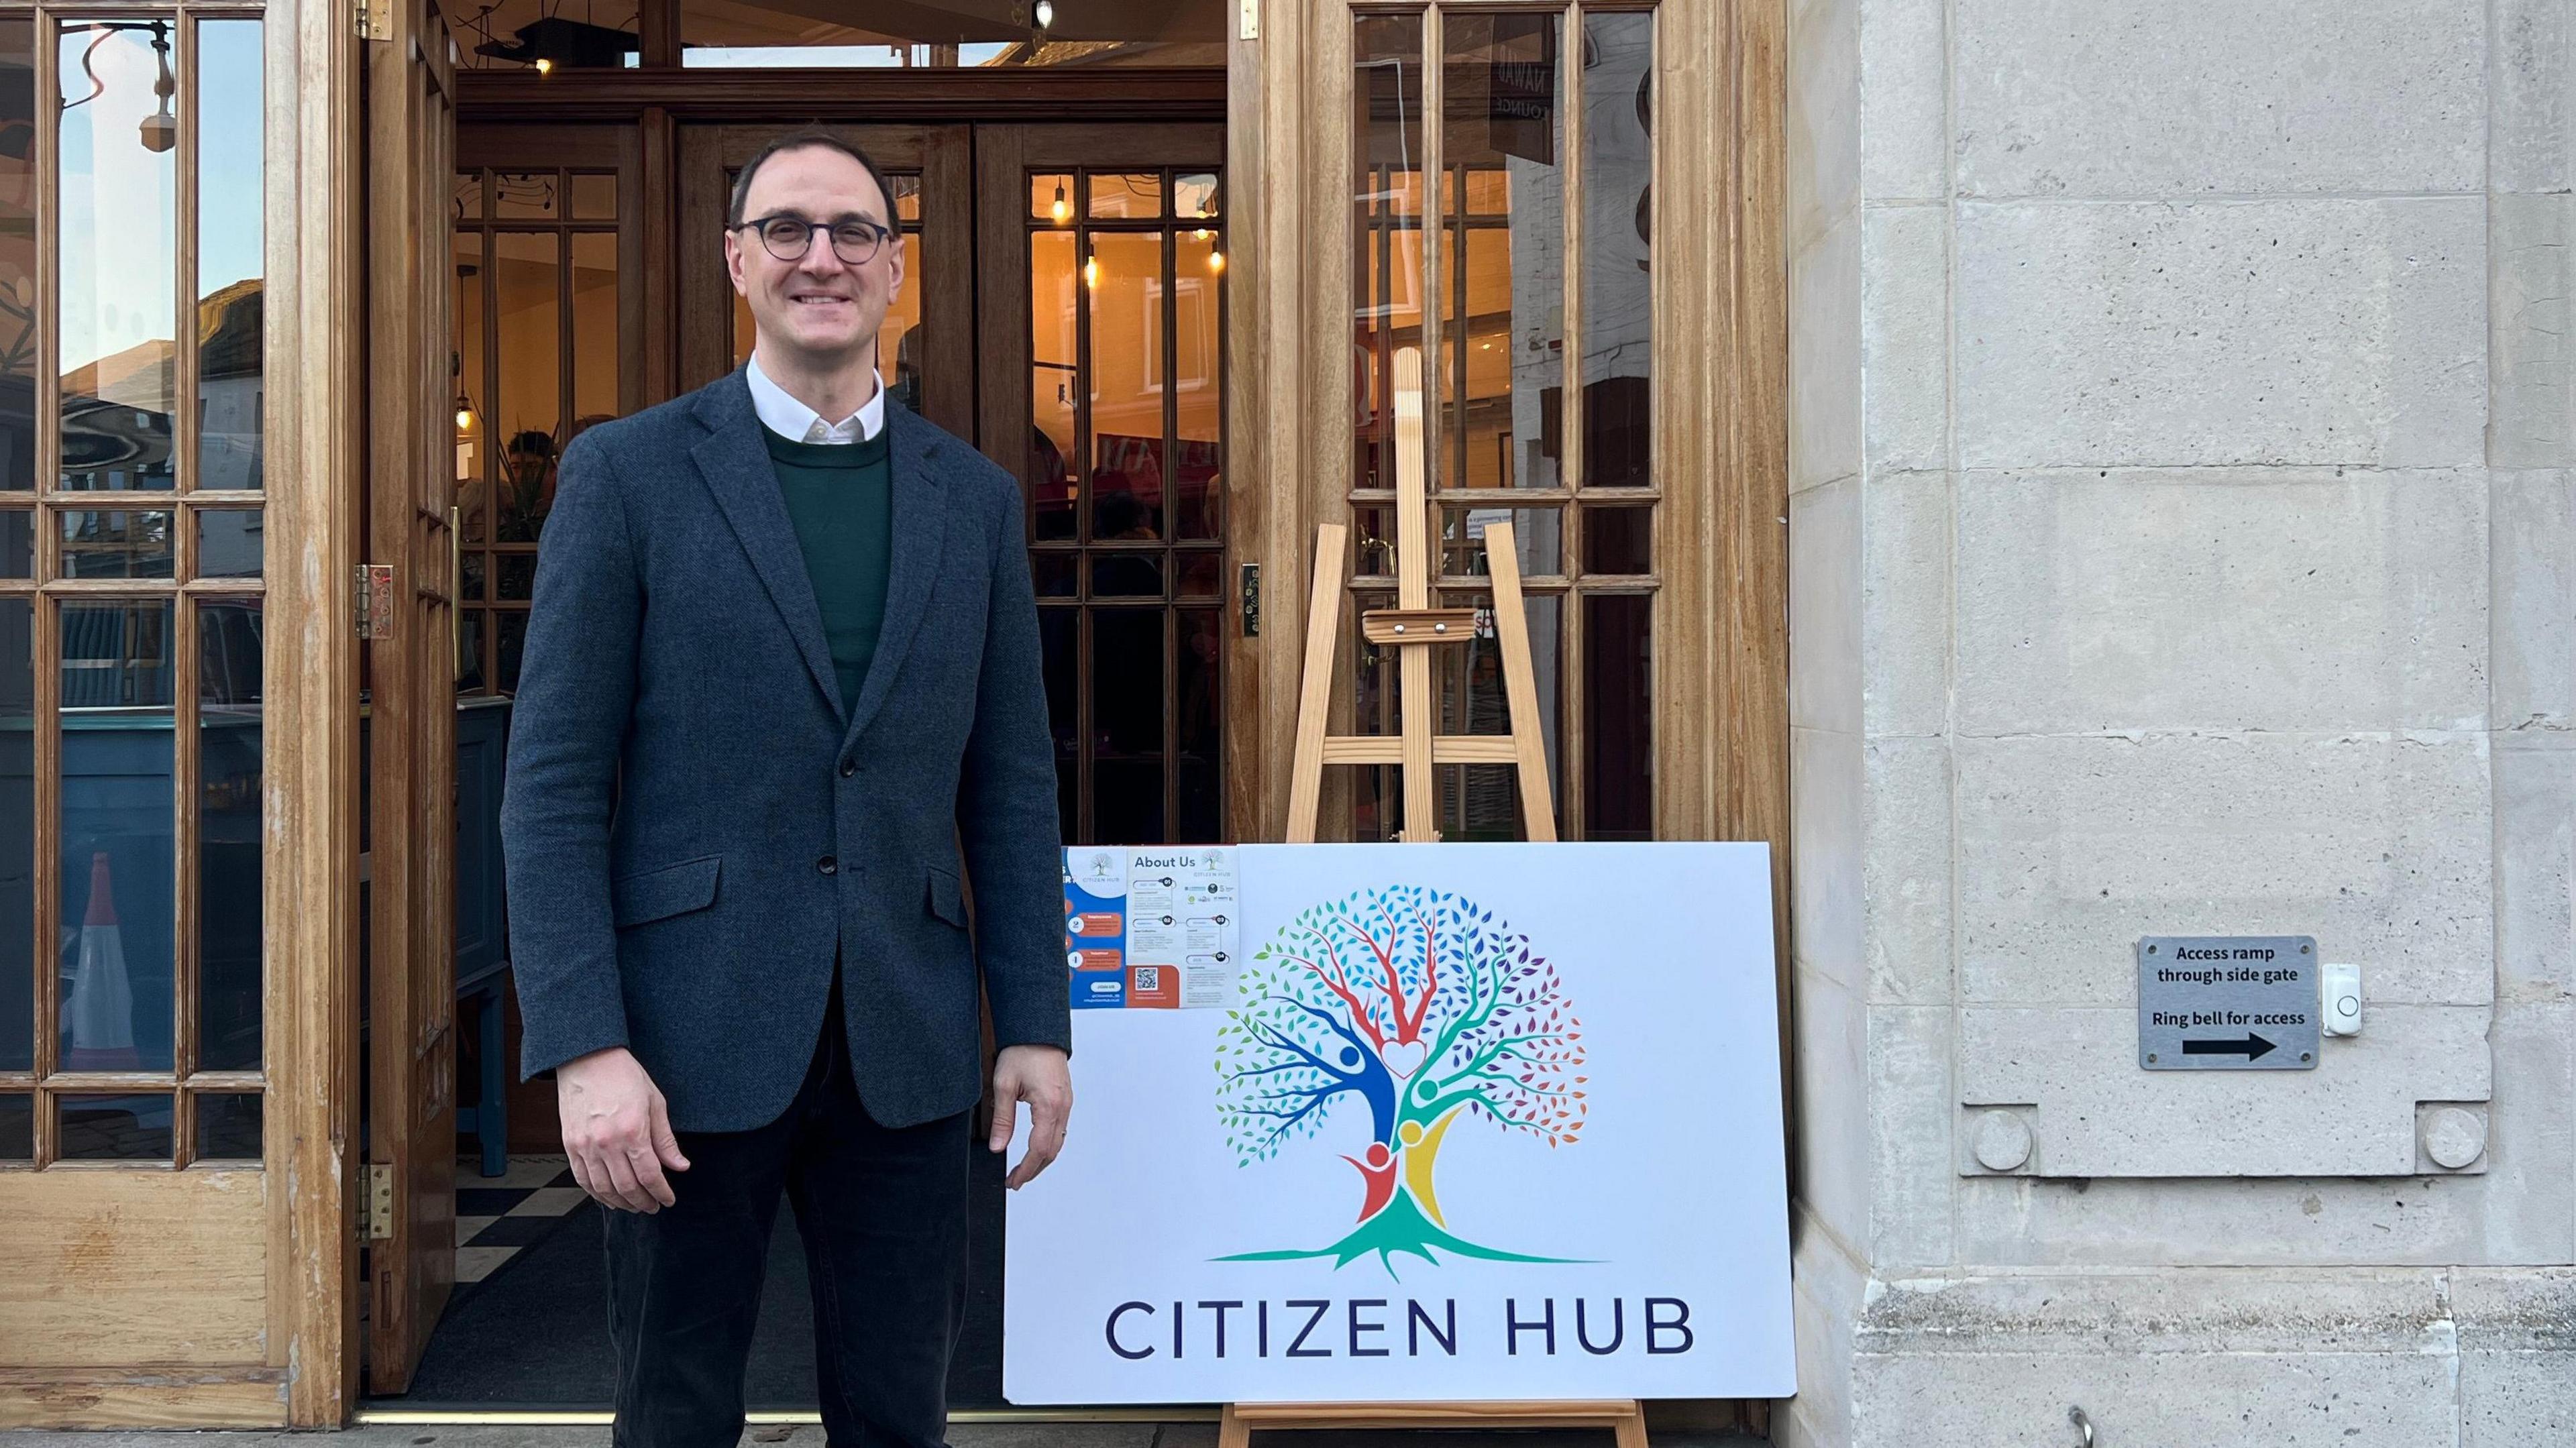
x: 734, y: 459
x: 919, y: 523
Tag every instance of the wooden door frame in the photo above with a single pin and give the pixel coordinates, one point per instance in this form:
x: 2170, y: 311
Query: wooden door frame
x: 943, y: 154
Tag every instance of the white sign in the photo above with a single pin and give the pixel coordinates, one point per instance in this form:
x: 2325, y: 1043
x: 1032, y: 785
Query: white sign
x: 1480, y: 1122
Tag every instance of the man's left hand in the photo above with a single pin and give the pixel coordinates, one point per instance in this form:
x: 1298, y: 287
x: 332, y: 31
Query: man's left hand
x: 1037, y: 1075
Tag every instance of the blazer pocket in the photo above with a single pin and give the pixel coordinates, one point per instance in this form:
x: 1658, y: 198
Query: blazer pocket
x: 946, y: 900
x: 668, y: 891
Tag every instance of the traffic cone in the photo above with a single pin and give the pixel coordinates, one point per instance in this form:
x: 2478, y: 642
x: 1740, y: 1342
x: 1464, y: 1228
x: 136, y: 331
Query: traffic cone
x: 102, y: 1003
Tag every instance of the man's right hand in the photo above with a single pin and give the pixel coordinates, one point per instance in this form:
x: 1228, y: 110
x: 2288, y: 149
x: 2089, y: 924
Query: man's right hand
x: 617, y: 1131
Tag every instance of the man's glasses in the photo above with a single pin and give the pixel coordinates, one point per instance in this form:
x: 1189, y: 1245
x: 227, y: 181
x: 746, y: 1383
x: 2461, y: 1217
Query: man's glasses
x: 788, y: 238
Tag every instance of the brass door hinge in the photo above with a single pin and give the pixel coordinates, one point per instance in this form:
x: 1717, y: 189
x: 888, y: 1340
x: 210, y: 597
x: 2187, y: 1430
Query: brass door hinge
x: 375, y: 19
x: 375, y: 600
x: 376, y: 1215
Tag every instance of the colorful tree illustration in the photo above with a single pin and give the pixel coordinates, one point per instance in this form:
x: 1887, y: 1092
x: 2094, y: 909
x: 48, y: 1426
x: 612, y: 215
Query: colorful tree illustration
x: 1418, y: 1009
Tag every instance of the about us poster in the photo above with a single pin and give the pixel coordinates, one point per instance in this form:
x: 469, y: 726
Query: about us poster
x: 1480, y: 1121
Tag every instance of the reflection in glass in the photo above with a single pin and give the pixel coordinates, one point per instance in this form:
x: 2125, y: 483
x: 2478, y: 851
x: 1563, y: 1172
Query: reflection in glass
x: 1618, y: 286
x: 1126, y: 684
x: 229, y: 542
x: 1123, y: 282
x: 1053, y: 328
x: 1127, y: 575
x: 516, y: 574
x: 1482, y: 802
x: 899, y: 338
x: 116, y: 233
x: 1202, y: 575
x: 470, y: 677
x: 1054, y: 574
x: 117, y: 543
x: 17, y: 254
x: 1198, y: 370
x: 594, y: 330
x: 17, y: 835
x: 1060, y: 643
x: 115, y: 868
x: 1195, y: 716
x: 513, y: 640
x: 1386, y: 272
x: 114, y: 1128
x: 1133, y: 197
x: 1618, y: 738
x: 230, y: 193
x: 1504, y: 278
x: 466, y: 200
x: 526, y: 406
x: 228, y: 1126
x: 1194, y: 193
x: 1619, y: 540
x: 1377, y: 803
x: 1537, y: 535
x: 470, y: 567
x: 988, y: 34
x: 17, y: 1126
x: 17, y: 543
x: 230, y: 757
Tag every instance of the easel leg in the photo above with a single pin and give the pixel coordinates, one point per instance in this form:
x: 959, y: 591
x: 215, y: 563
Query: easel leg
x: 1630, y: 1431
x: 1315, y: 693
x: 1233, y: 1432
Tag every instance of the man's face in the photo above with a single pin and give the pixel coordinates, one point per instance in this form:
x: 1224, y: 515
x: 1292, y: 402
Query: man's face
x: 818, y: 307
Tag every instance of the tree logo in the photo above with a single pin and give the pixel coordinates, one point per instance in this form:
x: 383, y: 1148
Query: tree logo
x: 1422, y: 1006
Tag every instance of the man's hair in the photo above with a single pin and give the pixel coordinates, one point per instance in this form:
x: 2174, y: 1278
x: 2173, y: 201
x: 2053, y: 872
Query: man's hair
x: 799, y: 140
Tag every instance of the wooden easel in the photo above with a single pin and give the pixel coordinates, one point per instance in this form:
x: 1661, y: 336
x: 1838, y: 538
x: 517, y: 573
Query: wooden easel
x: 1414, y: 629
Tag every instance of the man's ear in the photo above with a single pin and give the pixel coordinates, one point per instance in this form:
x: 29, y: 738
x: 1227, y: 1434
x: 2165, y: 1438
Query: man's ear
x: 733, y: 260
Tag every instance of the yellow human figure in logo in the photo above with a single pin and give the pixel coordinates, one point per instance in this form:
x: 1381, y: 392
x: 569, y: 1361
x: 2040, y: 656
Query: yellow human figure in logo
x: 1421, y: 1153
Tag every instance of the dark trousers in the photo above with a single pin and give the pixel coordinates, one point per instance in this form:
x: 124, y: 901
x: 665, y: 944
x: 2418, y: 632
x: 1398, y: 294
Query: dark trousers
x: 883, y: 1215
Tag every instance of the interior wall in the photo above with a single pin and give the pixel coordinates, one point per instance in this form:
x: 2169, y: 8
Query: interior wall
x: 2181, y: 542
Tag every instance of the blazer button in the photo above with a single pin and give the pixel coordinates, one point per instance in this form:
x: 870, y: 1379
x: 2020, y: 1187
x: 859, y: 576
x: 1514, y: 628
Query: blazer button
x: 828, y: 865
x: 849, y: 767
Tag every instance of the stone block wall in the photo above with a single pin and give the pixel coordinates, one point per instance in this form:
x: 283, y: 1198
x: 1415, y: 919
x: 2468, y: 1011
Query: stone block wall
x: 2182, y: 541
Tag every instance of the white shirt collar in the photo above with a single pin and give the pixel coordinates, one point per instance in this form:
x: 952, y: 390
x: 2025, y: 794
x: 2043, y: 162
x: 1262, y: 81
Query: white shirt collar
x: 791, y: 419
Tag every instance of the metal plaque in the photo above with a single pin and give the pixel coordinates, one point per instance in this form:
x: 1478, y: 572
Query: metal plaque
x: 2228, y: 1002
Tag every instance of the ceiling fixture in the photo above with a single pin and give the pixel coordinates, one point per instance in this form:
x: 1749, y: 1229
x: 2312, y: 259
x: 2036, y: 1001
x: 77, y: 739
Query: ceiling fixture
x: 554, y: 40
x: 1044, y: 14
x: 1061, y: 211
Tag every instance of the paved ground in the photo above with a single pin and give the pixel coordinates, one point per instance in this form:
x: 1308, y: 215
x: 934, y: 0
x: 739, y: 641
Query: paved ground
x: 981, y: 1435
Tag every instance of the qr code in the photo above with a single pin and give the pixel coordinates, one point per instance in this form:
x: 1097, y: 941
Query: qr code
x: 1149, y: 977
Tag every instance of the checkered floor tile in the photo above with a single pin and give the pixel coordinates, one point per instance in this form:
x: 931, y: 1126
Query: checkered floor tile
x: 496, y: 1216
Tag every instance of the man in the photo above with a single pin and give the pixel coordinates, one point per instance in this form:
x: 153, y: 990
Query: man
x: 789, y: 628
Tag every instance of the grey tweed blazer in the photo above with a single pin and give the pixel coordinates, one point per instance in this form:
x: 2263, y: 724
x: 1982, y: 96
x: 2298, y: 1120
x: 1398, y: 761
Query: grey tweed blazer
x: 694, y: 826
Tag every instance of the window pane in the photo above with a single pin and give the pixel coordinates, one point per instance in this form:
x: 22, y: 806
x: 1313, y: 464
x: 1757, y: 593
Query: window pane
x: 470, y: 677
x: 513, y: 640
x: 732, y: 33
x: 1126, y: 686
x: 1052, y: 378
x: 1194, y: 193
x: 230, y: 193
x: 116, y: 543
x: 1124, y: 373
x: 594, y: 330
x: 1618, y: 741
x: 228, y: 1127
x: 1537, y: 540
x: 1618, y: 287
x: 1131, y: 196
x: 516, y: 573
x: 1197, y: 712
x: 473, y: 410
x: 18, y: 259
x: 1386, y: 271
x: 114, y: 1128
x: 1060, y: 642
x: 115, y: 863
x: 17, y: 836
x: 17, y: 1127
x: 527, y: 195
x: 1051, y: 196
x: 594, y: 197
x: 1619, y: 540
x: 527, y: 404
x: 230, y: 758
x: 1198, y: 370
x: 900, y: 337
x: 17, y: 543
x: 1503, y: 309
x: 117, y: 251
x: 229, y: 542
x: 1473, y: 699
x: 1127, y: 575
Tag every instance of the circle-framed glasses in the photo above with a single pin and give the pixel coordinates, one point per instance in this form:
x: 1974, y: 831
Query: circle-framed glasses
x: 788, y: 238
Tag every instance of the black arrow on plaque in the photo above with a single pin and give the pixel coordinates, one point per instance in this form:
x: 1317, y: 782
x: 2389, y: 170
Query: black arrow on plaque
x: 2252, y: 1048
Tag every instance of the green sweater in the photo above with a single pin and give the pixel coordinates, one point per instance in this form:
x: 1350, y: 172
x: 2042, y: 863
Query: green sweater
x: 840, y: 499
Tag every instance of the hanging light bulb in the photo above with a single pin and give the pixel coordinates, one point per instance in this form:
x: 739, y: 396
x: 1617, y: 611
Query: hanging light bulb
x: 1062, y: 209
x: 1091, y: 271
x: 545, y: 65
x: 1216, y: 261
x: 1044, y: 14
x: 464, y: 414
